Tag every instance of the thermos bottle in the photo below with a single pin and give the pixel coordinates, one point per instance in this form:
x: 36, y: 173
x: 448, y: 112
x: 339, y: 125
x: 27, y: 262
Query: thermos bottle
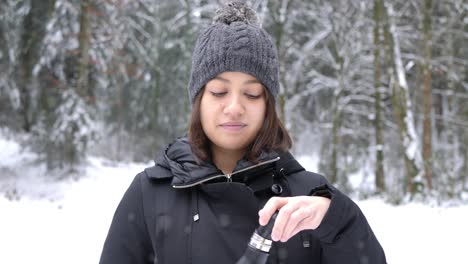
x: 260, y: 243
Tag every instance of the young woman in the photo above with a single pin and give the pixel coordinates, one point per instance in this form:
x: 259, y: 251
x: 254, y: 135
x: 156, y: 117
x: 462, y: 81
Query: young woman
x: 208, y: 192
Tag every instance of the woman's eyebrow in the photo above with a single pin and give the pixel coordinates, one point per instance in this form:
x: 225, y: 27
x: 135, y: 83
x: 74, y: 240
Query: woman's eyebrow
x: 222, y: 79
x: 228, y: 81
x: 252, y: 81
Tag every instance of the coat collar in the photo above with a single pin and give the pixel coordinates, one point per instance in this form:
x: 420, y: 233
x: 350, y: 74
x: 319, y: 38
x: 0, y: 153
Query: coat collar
x: 180, y: 164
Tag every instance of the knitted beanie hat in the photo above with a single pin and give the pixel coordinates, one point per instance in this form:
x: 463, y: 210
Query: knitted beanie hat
x: 234, y: 41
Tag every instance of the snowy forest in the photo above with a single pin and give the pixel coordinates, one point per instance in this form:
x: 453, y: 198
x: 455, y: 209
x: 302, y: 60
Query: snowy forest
x: 375, y: 86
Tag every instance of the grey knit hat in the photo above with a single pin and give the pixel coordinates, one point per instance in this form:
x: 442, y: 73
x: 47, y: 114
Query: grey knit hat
x: 234, y: 41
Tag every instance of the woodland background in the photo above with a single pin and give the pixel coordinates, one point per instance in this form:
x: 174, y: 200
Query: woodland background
x: 374, y: 85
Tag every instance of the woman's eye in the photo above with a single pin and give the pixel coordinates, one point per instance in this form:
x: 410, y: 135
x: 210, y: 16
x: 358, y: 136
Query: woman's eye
x: 218, y: 94
x: 252, y: 96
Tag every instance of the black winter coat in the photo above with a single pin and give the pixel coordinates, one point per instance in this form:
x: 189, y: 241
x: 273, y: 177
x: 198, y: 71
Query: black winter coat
x: 180, y: 212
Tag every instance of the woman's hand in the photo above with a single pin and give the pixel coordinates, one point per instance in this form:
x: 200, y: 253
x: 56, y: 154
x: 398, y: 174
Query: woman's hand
x: 295, y: 214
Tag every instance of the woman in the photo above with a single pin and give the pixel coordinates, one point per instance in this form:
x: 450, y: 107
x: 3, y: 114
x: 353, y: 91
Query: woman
x: 207, y: 193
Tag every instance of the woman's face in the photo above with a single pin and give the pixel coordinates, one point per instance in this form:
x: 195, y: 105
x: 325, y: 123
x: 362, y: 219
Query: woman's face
x: 232, y: 110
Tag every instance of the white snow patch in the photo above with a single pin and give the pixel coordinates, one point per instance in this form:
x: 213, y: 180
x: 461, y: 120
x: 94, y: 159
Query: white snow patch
x: 71, y: 229
x: 418, y: 233
x: 309, y: 163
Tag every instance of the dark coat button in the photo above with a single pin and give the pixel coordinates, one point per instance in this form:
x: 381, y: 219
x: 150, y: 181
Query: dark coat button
x: 277, y: 189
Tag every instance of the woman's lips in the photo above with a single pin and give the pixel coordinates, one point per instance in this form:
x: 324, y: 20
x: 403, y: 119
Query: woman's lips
x: 233, y: 126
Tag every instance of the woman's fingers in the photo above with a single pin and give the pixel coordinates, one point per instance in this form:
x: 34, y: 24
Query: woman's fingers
x: 295, y: 214
x: 295, y: 220
x: 273, y: 205
x: 303, y: 225
x: 283, y: 218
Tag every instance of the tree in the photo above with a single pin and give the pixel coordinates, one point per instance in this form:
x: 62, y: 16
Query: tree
x: 427, y: 91
x: 449, y: 96
x: 402, y: 106
x: 11, y: 18
x: 65, y: 125
x: 84, y: 40
x: 378, y: 122
x: 32, y: 34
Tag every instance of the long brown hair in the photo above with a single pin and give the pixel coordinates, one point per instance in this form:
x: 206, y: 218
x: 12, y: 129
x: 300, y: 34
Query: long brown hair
x: 272, y: 135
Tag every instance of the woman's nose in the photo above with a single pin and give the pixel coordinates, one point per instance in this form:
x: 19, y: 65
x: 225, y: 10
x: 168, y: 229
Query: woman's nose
x: 234, y: 106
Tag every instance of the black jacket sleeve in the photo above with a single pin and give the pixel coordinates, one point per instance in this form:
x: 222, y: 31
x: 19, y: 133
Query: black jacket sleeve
x: 128, y: 240
x: 345, y: 234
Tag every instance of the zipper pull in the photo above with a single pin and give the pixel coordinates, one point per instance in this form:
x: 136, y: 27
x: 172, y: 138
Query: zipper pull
x: 229, y: 179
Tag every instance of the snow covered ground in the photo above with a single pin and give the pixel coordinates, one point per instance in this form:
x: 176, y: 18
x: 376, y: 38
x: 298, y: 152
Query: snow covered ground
x: 67, y: 221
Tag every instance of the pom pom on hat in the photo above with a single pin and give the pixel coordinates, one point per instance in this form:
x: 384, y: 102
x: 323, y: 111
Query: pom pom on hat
x: 236, y: 12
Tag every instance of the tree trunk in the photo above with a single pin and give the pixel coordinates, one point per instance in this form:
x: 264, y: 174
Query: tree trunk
x: 379, y: 170
x: 427, y: 92
x: 335, y: 143
x: 4, y: 48
x: 448, y: 136
x: 5, y: 69
x: 84, y: 39
x: 464, y: 171
x: 336, y: 128
x: 401, y: 103
x: 280, y: 16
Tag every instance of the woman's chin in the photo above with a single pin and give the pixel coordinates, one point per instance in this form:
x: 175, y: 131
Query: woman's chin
x: 234, y: 144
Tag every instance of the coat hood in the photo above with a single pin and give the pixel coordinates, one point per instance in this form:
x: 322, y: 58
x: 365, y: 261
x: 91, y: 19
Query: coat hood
x: 182, y: 166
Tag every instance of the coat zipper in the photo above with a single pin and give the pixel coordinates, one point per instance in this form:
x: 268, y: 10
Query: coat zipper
x: 228, y: 176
